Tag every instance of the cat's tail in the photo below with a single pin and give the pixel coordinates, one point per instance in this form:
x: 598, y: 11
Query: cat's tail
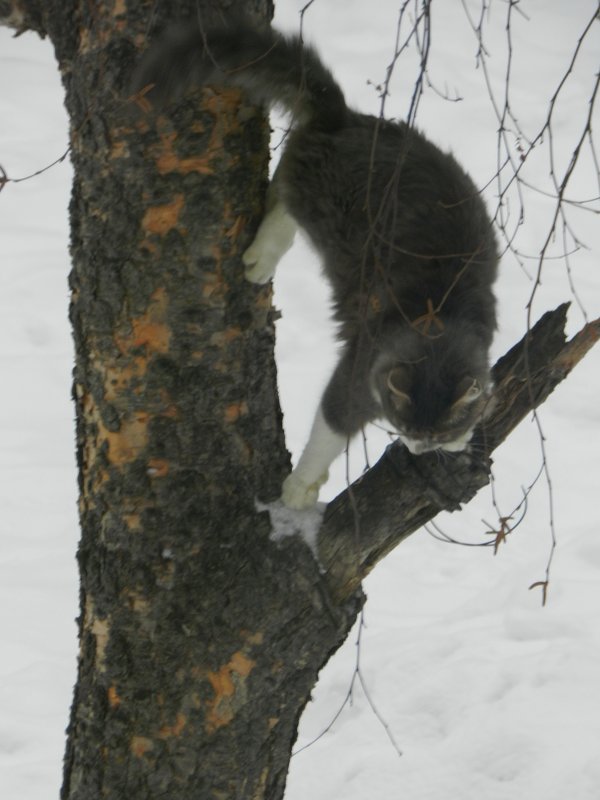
x: 272, y: 68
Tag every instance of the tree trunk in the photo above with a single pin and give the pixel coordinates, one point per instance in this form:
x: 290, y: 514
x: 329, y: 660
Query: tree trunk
x: 201, y: 639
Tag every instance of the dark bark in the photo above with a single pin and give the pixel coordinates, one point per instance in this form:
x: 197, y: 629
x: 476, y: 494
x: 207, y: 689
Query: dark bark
x: 200, y: 639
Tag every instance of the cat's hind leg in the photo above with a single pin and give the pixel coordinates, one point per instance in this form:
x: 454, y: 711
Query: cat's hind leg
x: 273, y: 239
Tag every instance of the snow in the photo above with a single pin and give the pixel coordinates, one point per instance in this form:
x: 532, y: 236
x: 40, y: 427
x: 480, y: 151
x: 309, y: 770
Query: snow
x: 487, y: 693
x: 286, y: 522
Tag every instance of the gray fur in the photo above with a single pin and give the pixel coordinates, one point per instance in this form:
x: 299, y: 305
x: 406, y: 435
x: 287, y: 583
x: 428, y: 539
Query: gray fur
x: 401, y: 228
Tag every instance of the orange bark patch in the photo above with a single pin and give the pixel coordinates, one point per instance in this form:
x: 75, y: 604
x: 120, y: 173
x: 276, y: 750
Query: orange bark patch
x: 167, y: 159
x: 137, y: 340
x: 217, y: 716
x: 114, y: 701
x: 234, y: 411
x: 140, y: 745
x: 119, y: 149
x: 150, y: 330
x: 133, y: 521
x: 126, y: 444
x: 167, y: 731
x: 224, y: 105
x: 228, y: 686
x: 164, y: 218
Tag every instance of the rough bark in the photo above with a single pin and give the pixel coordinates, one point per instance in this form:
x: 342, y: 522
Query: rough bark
x: 200, y: 638
x: 200, y: 641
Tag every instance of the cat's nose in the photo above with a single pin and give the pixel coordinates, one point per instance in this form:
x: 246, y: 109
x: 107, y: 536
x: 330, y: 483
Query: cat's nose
x: 418, y: 447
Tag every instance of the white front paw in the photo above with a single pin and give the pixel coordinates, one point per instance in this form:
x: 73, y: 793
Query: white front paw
x: 299, y: 495
x: 260, y: 264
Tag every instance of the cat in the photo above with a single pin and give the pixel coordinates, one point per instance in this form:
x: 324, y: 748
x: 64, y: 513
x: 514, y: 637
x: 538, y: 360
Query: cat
x: 403, y: 234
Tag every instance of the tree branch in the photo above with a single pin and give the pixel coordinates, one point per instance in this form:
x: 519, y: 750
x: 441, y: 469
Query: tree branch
x: 401, y: 493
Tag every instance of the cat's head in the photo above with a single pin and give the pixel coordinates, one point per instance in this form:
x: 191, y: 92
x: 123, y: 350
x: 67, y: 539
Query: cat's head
x: 434, y: 393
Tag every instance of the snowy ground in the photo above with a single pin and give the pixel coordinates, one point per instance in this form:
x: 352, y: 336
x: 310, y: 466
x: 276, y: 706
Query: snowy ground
x: 486, y: 693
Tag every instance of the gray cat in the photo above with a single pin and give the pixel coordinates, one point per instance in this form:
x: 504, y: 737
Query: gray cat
x: 402, y: 232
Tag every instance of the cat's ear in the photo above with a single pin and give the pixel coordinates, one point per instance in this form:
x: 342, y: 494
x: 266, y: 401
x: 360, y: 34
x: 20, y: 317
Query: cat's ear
x: 398, y: 382
x: 468, y: 390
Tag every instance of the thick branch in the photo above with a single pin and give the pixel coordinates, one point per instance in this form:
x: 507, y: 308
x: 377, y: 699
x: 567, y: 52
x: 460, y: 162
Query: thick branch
x: 401, y: 493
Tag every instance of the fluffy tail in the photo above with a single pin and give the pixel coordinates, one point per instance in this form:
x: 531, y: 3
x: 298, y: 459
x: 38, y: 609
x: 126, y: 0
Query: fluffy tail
x: 273, y: 69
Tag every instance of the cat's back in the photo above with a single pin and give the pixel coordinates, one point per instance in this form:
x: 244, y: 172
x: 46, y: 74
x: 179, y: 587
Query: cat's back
x: 372, y: 174
x: 384, y: 205
x: 331, y: 180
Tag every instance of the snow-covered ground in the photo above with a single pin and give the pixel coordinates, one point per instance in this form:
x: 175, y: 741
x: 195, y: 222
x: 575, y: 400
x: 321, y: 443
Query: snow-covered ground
x: 486, y: 693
